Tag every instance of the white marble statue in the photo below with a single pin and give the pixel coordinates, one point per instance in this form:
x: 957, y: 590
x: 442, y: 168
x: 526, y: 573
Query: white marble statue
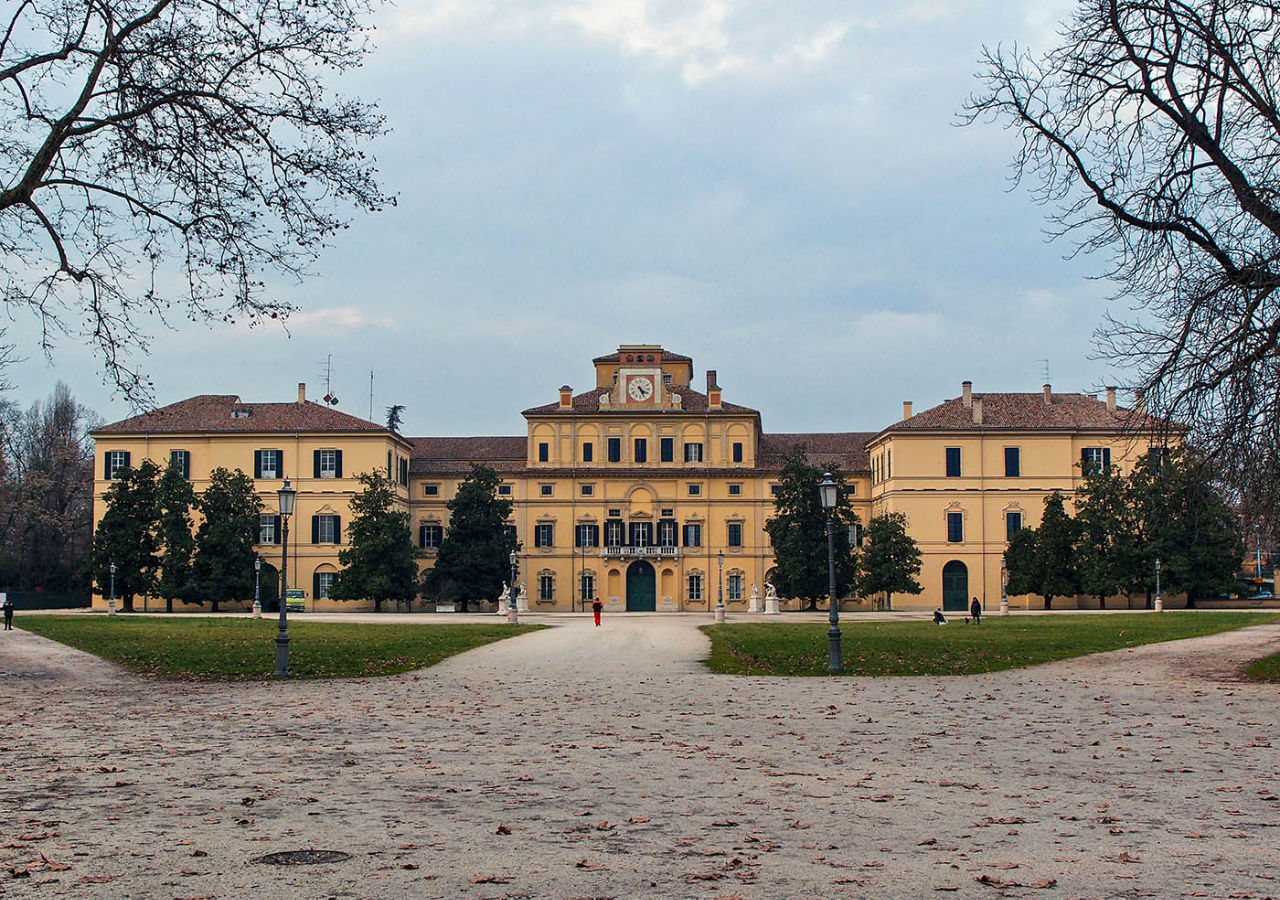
x: 770, y: 600
x: 754, y: 606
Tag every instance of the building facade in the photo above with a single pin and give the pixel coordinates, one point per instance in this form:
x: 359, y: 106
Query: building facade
x: 647, y: 492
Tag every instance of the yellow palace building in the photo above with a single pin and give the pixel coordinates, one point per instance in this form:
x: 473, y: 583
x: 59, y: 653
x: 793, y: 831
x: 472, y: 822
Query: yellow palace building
x: 643, y: 490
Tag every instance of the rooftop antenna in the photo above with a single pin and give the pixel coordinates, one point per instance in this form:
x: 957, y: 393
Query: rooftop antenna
x: 371, y: 395
x: 1044, y: 370
x: 329, y: 398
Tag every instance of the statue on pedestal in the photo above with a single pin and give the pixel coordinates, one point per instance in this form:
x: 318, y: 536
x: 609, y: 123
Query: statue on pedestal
x: 770, y: 599
x: 755, y: 599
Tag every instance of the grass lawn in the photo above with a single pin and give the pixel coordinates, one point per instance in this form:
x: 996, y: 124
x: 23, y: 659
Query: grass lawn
x: 244, y: 649
x: 922, y: 648
x: 1265, y: 669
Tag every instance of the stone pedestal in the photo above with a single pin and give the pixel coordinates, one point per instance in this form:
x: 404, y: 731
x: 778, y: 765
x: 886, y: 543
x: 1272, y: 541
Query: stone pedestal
x: 754, y: 605
x: 522, y: 600
x: 719, y: 613
x: 257, y: 609
x: 1004, y: 606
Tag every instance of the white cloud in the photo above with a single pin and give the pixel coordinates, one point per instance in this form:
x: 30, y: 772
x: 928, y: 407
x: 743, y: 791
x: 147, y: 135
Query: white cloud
x: 336, y: 318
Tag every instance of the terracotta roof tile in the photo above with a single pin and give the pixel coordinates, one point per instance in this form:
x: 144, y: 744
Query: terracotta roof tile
x: 214, y: 413
x: 1029, y: 411
x: 667, y: 356
x: 691, y: 401
x: 452, y: 455
x: 848, y: 449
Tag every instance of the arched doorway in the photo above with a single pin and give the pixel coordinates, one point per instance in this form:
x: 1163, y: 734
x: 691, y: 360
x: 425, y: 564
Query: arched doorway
x: 955, y: 586
x: 641, y: 589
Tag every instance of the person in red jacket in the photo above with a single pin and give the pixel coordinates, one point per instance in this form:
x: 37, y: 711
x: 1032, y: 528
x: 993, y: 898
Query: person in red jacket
x: 596, y: 607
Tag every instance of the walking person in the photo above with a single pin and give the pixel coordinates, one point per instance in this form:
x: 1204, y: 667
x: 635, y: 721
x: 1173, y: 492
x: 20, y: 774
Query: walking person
x: 8, y: 613
x: 596, y: 608
x: 975, y: 610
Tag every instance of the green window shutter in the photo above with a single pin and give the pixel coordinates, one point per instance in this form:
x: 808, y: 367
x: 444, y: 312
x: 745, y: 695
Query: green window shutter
x: 315, y: 459
x: 337, y: 529
x: 315, y: 585
x: 315, y: 529
x: 257, y: 463
x: 337, y: 463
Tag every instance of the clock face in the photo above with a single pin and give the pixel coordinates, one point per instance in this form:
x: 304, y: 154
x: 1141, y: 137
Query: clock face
x: 640, y: 388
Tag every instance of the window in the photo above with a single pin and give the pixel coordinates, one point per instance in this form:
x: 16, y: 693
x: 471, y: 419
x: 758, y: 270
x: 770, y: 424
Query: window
x: 695, y: 490
x: 588, y: 452
x: 693, y: 535
x: 546, y: 588
x: 404, y: 472
x: 181, y: 459
x: 587, y: 490
x: 955, y: 527
x: 430, y: 535
x: 666, y: 533
x: 693, y: 453
x: 433, y: 490
x: 509, y: 535
x: 737, y: 451
x: 613, y: 533
x: 504, y: 490
x: 268, y: 464
x: 667, y: 449
x: 328, y: 464
x: 735, y: 490
x: 544, y: 452
x: 953, y: 462
x: 1094, y: 460
x: 615, y: 449
x: 1012, y: 524
x: 735, y: 586
x: 545, y: 490
x: 641, y: 534
x: 775, y: 489
x: 588, y: 587
x: 544, y: 534
x: 735, y: 534
x: 268, y: 529
x: 855, y: 535
x: 587, y: 536
x: 695, y: 587
x: 324, y: 584
x: 641, y: 449
x: 1012, y: 462
x: 326, y: 529
x: 1158, y: 456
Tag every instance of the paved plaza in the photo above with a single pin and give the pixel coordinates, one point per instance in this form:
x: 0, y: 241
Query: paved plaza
x: 578, y: 762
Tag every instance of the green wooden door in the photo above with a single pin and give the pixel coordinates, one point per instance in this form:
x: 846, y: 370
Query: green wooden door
x: 642, y: 593
x: 955, y: 587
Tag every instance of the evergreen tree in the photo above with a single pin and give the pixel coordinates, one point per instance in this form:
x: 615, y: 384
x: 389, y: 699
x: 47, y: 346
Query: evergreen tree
x: 472, y: 562
x: 378, y: 562
x: 223, y: 566
x: 176, y: 500
x: 890, y: 559
x: 798, y: 532
x: 126, y: 535
x: 1109, y: 551
x: 1022, y: 564
x: 1056, y: 540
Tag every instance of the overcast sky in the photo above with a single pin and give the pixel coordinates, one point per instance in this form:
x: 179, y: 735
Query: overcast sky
x: 781, y: 193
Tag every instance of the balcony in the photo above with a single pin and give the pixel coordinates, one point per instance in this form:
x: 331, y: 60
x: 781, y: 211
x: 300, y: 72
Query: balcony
x: 642, y: 552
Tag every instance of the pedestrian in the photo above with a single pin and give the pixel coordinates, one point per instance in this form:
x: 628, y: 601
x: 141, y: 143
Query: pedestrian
x: 596, y: 607
x: 939, y: 618
x: 8, y: 613
x: 975, y: 610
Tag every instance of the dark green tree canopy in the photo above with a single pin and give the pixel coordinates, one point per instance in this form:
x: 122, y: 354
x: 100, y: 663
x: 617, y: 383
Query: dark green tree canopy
x: 798, y: 532
x: 890, y: 559
x: 471, y: 563
x: 378, y: 561
x: 126, y: 534
x: 223, y: 566
x: 175, y: 500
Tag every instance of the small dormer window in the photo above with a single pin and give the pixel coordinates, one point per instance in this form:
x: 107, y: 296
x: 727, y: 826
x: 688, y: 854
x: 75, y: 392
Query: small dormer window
x: 241, y: 412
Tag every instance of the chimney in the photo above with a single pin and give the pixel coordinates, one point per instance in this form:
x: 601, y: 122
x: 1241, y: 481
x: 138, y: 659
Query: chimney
x: 1111, y: 399
x: 1048, y: 395
x: 977, y: 410
x: 713, y: 390
x: 566, y: 396
x: 906, y: 410
x: 1138, y: 400
x: 966, y: 393
x: 302, y: 392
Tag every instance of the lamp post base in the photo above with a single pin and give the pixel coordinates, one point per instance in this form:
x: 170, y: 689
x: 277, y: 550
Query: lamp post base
x: 719, y: 613
x: 513, y: 616
x: 282, y: 655
x: 836, y: 664
x: 1004, y: 606
x: 1159, y: 604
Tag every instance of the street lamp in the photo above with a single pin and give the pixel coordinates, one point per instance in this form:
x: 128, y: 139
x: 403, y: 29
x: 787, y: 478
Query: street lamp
x: 720, y: 589
x: 111, y: 604
x: 257, y: 586
x: 287, y: 495
x: 1004, y: 587
x: 513, y: 615
x: 1159, y: 599
x: 827, y: 495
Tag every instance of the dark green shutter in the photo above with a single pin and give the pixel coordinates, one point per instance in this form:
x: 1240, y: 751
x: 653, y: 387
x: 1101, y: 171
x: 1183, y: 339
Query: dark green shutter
x: 1106, y: 459
x: 315, y: 585
x: 106, y: 464
x: 315, y: 529
x: 315, y: 458
x: 257, y: 463
x: 337, y: 529
x: 337, y: 463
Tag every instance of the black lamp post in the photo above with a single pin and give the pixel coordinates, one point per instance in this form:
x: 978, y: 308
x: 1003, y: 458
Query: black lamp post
x: 287, y: 495
x: 111, y: 604
x: 720, y: 587
x: 513, y: 616
x: 257, y: 586
x: 827, y: 495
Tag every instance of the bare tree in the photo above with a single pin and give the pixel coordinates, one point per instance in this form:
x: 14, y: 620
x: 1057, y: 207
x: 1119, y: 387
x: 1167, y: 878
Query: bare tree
x: 1153, y: 132
x: 157, y: 155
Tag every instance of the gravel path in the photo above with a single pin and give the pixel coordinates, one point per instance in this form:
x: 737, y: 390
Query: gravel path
x: 583, y: 762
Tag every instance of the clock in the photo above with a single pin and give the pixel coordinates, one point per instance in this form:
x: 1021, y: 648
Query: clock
x: 640, y: 388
